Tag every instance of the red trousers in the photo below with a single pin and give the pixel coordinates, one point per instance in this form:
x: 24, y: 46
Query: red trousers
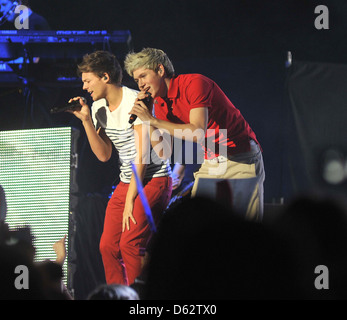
x: 122, y: 252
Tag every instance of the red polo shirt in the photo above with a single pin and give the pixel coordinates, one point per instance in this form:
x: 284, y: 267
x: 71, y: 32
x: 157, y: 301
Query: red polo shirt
x: 189, y: 91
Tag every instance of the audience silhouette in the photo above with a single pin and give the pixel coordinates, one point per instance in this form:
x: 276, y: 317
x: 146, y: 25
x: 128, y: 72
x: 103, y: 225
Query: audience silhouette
x: 315, y: 227
x: 113, y: 292
x: 204, y: 251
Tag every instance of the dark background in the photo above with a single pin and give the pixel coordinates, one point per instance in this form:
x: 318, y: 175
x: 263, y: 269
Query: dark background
x: 192, y: 29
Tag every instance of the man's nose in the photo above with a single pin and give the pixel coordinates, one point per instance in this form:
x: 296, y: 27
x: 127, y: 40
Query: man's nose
x: 141, y: 84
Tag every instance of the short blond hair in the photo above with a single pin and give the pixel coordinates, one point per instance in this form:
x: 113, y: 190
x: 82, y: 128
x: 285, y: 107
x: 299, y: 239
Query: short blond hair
x: 148, y: 58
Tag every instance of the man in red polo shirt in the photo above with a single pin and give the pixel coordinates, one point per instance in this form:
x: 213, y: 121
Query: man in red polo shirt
x: 194, y: 108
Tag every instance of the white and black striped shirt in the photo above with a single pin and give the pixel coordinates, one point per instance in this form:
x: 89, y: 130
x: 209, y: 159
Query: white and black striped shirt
x: 121, y: 133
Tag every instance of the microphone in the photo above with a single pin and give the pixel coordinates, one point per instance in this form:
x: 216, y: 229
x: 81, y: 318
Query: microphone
x: 147, y: 101
x: 73, y: 106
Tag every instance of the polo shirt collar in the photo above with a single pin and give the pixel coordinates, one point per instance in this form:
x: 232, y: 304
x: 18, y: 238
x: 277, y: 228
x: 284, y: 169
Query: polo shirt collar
x: 173, y: 88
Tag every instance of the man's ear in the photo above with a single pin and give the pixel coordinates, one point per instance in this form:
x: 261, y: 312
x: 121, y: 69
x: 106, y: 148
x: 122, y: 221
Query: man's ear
x: 106, y: 77
x: 161, y: 70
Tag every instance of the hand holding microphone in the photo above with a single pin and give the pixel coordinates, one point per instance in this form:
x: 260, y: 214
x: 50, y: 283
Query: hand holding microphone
x: 147, y: 100
x: 72, y: 105
x: 77, y: 106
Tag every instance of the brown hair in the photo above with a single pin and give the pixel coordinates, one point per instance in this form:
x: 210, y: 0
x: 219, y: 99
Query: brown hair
x: 99, y: 63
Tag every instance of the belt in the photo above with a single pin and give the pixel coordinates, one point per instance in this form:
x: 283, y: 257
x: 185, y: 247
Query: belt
x: 221, y: 159
x: 218, y: 159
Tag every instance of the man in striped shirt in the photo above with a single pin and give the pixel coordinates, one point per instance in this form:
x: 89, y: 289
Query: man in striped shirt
x: 126, y: 229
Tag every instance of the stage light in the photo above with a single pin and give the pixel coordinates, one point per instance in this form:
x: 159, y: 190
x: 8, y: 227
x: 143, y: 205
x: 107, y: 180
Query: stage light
x: 334, y: 168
